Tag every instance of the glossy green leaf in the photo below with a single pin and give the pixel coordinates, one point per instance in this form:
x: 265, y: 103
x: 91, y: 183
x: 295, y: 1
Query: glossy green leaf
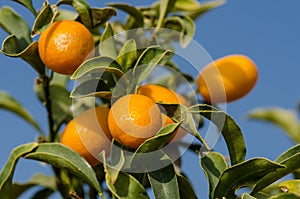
x: 165, y: 7
x: 83, y: 9
x: 185, y: 188
x: 247, y: 196
x: 107, y: 46
x: 14, y: 24
x: 290, y: 186
x: 285, y: 119
x: 98, y: 65
x: 7, y: 171
x: 28, y: 5
x: 127, y: 55
x: 186, y: 5
x: 205, y: 7
x: 64, y: 14
x: 132, y: 11
x: 290, y: 159
x: 90, y: 88
x: 213, y: 165
x: 228, y: 127
x: 11, y: 48
x: 102, y: 15
x: 47, y: 182
x: 44, y: 18
x: 242, y: 174
x: 164, y: 182
x: 7, y: 102
x: 285, y: 196
x: 61, y: 156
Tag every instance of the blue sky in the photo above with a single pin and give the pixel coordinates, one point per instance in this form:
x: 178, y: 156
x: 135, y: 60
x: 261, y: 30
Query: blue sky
x: 267, y: 31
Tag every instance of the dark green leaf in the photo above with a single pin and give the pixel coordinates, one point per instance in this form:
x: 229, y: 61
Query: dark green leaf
x: 290, y: 186
x: 165, y: 7
x: 185, y: 188
x: 213, y: 165
x: 205, y: 7
x: 164, y: 182
x: 28, y: 5
x: 132, y: 11
x: 102, y: 15
x: 11, y: 47
x: 7, y: 102
x: 290, y: 159
x: 127, y: 55
x: 285, y: 196
x: 107, y: 46
x: 98, y: 65
x: 43, y: 193
x: 83, y: 9
x: 241, y: 174
x: 229, y: 129
x: 285, y: 119
x: 247, y: 196
x: 14, y: 24
x: 7, y: 171
x: 61, y: 156
x: 44, y: 18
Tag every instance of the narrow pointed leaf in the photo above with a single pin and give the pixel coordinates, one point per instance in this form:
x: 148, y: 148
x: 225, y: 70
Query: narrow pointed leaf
x: 9, y: 103
x: 241, y: 174
x: 43, y: 193
x: 228, y: 127
x: 165, y: 7
x: 102, y: 15
x: 44, y: 18
x: 185, y: 188
x: 61, y: 156
x: 284, y: 119
x: 186, y: 5
x: 247, y: 196
x: 127, y: 55
x: 107, y: 46
x: 205, y: 7
x: 213, y: 165
x: 7, y: 171
x: 28, y: 5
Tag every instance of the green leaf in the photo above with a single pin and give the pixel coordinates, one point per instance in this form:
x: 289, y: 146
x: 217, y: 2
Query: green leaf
x: 47, y: 182
x: 127, y: 55
x: 229, y: 129
x: 285, y: 196
x: 9, y: 103
x: 14, y: 24
x: 107, y: 46
x: 64, y: 14
x: 205, y: 7
x: 242, y: 174
x: 132, y: 11
x: 44, y: 18
x: 11, y: 48
x: 290, y: 186
x: 185, y: 188
x: 98, y: 66
x: 43, y: 193
x: 83, y: 9
x: 7, y: 171
x: 165, y: 7
x: 102, y: 15
x: 289, y: 159
x: 213, y: 165
x: 63, y: 157
x: 285, y: 119
x: 247, y: 196
x: 90, y: 88
x: 27, y: 4
x: 164, y: 182
x: 186, y: 5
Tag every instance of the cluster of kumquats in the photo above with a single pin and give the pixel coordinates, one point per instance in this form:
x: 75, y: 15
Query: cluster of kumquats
x: 133, y: 118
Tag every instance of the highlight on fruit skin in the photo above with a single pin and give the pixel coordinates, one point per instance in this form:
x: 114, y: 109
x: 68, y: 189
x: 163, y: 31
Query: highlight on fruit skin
x: 227, y: 79
x: 64, y: 45
x: 133, y: 119
x: 88, y: 134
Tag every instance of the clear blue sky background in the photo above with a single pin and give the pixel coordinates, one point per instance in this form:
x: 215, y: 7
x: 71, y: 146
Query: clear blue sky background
x: 268, y: 31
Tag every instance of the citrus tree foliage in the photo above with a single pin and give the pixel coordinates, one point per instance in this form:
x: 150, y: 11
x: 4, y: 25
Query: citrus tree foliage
x: 115, y: 58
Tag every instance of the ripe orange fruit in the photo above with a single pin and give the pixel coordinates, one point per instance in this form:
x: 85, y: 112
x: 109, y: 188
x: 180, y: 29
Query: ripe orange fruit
x: 162, y: 94
x: 88, y: 134
x: 227, y: 79
x: 134, y: 118
x: 64, y: 45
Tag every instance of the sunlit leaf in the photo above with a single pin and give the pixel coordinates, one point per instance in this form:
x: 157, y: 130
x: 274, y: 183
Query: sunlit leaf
x: 285, y: 119
x: 107, y: 46
x: 241, y: 174
x: 127, y: 55
x: 7, y: 171
x: 185, y: 188
x: 61, y: 156
x: 290, y: 186
x: 7, y: 102
x: 102, y: 15
x: 247, y: 196
x: 44, y: 18
x: 213, y: 165
x: 285, y: 196
x: 165, y: 7
x: 186, y: 5
x: 28, y: 5
x: 64, y: 14
x: 205, y: 7
x: 228, y: 127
